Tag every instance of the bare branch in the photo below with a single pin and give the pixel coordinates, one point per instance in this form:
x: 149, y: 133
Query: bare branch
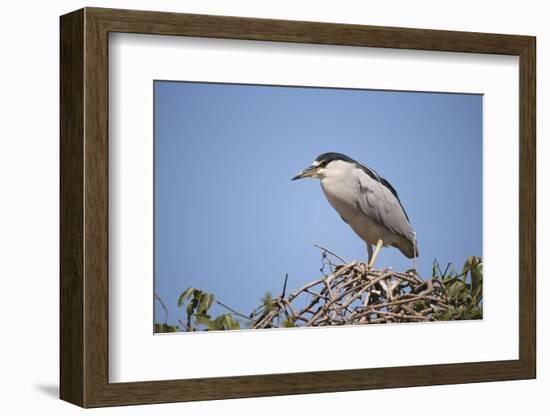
x: 331, y: 253
x: 223, y: 305
x: 157, y: 297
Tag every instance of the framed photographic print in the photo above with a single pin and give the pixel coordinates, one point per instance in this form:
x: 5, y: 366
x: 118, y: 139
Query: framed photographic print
x: 255, y: 207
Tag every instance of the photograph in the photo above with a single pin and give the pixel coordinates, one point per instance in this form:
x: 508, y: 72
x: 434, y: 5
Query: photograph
x: 303, y: 206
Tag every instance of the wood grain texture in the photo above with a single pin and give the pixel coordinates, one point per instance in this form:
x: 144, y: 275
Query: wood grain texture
x: 527, y: 208
x: 162, y: 23
x: 96, y: 208
x: 84, y: 207
x: 71, y: 213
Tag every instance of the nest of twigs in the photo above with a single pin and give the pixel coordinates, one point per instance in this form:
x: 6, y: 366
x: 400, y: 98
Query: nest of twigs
x: 353, y: 293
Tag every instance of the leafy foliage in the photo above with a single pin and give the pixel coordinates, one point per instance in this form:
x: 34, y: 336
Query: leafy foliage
x: 165, y: 328
x: 197, y: 304
x: 463, y: 291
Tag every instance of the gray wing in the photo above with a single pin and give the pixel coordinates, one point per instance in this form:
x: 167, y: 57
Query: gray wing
x: 382, y: 205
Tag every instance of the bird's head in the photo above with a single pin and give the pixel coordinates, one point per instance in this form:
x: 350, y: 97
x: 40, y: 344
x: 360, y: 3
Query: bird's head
x: 319, y: 167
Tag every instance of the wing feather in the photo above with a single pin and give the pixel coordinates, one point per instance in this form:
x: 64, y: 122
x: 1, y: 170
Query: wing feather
x: 382, y: 204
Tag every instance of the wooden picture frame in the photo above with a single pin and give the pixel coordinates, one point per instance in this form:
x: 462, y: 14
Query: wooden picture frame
x: 84, y: 207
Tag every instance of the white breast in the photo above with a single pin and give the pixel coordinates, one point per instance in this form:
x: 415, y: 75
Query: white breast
x: 342, y: 195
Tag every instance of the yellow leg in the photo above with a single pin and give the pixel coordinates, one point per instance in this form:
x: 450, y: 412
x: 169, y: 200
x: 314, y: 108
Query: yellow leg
x: 369, y: 251
x: 375, y: 255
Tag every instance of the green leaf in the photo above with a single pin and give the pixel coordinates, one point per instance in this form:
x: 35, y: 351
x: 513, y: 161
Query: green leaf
x: 471, y: 264
x: 476, y: 313
x: 191, y: 306
x: 163, y: 328
x: 216, y: 324
x: 477, y: 281
x: 230, y: 323
x: 209, y: 323
x: 205, y: 302
x: 289, y: 323
x: 452, y: 271
x: 454, y: 289
x: 268, y: 302
x: 186, y: 293
x: 450, y: 280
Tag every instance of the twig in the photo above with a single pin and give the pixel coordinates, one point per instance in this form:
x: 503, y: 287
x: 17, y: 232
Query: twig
x: 185, y: 326
x: 331, y: 253
x: 157, y: 297
x: 284, y: 286
x: 223, y: 305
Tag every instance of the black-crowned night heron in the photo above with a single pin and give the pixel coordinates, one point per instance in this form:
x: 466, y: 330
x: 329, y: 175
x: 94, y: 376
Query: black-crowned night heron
x: 366, y: 201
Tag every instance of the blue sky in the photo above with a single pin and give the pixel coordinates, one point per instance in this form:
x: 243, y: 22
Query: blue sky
x: 228, y: 219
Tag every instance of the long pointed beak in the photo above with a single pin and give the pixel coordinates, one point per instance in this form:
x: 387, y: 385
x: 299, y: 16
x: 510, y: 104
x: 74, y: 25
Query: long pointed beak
x: 306, y: 173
